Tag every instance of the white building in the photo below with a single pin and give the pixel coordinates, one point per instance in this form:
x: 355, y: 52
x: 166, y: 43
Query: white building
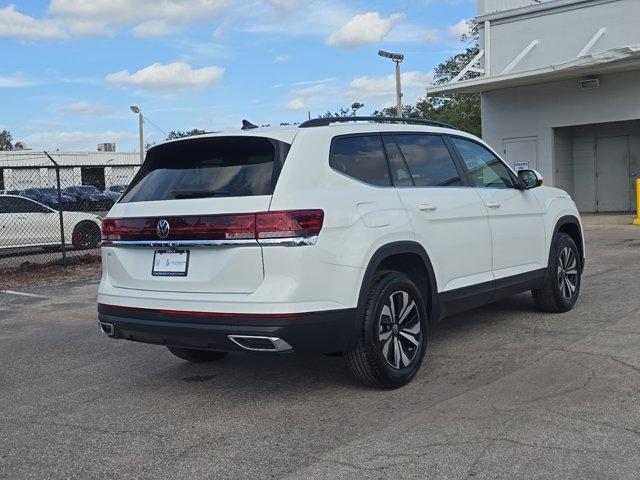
x: 560, y: 89
x: 21, y: 169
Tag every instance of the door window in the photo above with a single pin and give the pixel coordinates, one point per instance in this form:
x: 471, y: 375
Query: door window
x: 21, y: 205
x: 428, y: 160
x: 362, y: 158
x: 486, y: 169
x: 399, y: 169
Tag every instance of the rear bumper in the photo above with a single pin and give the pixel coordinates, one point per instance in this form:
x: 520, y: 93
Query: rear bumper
x: 324, y: 332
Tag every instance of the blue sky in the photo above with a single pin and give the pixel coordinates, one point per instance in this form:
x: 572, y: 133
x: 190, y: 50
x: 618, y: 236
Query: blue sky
x: 70, y: 69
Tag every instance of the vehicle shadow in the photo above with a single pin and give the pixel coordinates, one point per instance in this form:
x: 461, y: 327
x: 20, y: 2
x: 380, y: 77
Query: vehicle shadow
x: 299, y: 373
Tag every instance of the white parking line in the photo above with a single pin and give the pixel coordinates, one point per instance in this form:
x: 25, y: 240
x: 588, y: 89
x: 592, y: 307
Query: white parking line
x: 23, y: 294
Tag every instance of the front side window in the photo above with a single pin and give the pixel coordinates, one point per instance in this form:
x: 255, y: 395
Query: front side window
x: 429, y: 160
x: 487, y: 171
x: 361, y: 157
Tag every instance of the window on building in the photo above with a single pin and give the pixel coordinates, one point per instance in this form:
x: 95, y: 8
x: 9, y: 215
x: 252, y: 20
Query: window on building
x: 486, y: 170
x: 429, y: 160
x: 361, y: 157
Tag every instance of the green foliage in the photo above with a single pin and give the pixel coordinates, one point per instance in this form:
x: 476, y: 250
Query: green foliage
x: 343, y: 112
x: 6, y: 141
x: 173, y: 134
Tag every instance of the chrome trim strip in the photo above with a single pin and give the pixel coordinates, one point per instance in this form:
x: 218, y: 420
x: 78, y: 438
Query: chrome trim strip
x: 279, y: 345
x: 179, y: 243
x: 265, y: 242
x: 288, y: 242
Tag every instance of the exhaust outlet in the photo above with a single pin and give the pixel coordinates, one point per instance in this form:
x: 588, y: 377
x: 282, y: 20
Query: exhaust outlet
x: 257, y: 343
x: 107, y: 328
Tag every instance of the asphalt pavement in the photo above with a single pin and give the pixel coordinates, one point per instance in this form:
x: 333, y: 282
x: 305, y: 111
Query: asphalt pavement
x: 505, y: 392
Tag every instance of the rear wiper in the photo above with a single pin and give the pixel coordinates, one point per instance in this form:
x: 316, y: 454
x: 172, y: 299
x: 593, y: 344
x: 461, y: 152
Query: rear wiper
x: 199, y: 193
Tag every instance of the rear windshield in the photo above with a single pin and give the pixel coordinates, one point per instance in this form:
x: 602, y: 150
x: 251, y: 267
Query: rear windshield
x: 209, y: 167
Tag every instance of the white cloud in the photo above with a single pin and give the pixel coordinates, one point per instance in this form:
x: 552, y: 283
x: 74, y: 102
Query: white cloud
x: 458, y: 30
x: 168, y: 77
x: 302, y: 96
x: 75, y: 140
x: 295, y: 104
x: 414, y: 84
x: 87, y: 108
x: 282, y: 58
x: 308, y: 17
x: 146, y: 17
x: 363, y: 29
x: 16, y: 24
x: 16, y: 80
x: 432, y: 36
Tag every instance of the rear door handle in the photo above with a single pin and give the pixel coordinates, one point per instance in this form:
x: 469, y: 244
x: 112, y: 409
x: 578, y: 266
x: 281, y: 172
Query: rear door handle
x: 493, y: 205
x: 426, y: 207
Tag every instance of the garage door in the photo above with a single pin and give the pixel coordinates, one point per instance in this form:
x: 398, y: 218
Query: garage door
x: 612, y: 174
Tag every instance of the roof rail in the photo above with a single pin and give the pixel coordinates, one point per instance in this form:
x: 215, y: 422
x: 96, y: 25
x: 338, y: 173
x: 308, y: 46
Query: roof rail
x: 323, y: 122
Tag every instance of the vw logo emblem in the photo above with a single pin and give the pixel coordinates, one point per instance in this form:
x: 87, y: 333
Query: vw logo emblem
x: 163, y: 228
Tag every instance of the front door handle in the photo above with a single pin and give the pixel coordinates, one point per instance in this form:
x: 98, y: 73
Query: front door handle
x: 493, y: 205
x: 426, y: 207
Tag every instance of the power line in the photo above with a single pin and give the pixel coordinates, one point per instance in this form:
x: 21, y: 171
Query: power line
x: 161, y: 130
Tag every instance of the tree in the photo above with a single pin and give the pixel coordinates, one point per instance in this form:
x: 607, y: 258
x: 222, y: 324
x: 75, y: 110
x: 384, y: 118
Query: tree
x: 343, y: 112
x: 459, y: 109
x: 173, y: 134
x: 6, y: 141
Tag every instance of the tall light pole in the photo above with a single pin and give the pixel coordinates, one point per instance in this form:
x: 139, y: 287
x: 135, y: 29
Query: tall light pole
x: 135, y: 109
x: 397, y: 58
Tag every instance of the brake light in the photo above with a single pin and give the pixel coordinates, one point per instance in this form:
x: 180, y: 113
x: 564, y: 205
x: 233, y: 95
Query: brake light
x: 290, y: 223
x: 242, y: 226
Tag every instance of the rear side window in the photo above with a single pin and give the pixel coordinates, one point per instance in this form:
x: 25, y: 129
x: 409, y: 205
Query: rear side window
x: 209, y: 167
x: 361, y: 157
x: 429, y: 160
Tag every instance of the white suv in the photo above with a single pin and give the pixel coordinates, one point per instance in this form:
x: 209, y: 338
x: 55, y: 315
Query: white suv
x: 343, y: 235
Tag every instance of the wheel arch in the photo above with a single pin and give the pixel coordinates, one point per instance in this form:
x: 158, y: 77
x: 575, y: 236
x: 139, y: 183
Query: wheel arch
x: 402, y: 254
x: 570, y: 225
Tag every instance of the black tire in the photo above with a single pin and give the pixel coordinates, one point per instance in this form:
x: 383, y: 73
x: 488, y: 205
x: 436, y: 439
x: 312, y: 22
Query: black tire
x: 376, y: 360
x: 196, y: 356
x: 85, y: 235
x: 563, y: 279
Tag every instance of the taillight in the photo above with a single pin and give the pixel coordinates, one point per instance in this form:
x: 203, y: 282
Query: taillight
x: 290, y: 223
x: 242, y: 226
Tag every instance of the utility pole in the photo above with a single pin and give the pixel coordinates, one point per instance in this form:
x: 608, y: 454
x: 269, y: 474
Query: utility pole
x: 136, y: 109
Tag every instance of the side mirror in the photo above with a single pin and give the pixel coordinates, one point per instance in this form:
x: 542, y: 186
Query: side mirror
x: 530, y: 178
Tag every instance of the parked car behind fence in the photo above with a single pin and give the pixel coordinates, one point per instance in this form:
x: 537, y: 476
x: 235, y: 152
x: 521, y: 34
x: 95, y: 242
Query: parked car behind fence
x: 50, y: 198
x: 33, y: 231
x: 89, y: 198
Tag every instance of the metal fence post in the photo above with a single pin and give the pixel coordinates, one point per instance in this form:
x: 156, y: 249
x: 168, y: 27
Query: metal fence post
x: 62, y: 242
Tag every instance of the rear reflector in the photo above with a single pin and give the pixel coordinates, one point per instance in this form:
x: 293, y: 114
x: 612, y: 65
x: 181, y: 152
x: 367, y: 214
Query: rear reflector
x: 242, y: 226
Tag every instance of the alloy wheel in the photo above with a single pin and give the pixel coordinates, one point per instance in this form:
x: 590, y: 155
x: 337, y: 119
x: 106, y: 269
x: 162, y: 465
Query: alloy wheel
x: 567, y: 273
x: 399, y: 330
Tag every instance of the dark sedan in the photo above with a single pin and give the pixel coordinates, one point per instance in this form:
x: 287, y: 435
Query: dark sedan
x: 89, y: 198
x: 49, y: 197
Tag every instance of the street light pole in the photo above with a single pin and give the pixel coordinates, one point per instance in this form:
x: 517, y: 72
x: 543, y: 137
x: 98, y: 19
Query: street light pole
x: 397, y: 58
x: 136, y: 109
x: 398, y: 89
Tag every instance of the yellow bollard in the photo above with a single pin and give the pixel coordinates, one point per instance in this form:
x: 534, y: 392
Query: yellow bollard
x: 636, y: 221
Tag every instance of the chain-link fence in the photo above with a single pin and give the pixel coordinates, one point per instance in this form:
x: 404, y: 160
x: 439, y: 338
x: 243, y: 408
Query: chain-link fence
x: 51, y: 204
